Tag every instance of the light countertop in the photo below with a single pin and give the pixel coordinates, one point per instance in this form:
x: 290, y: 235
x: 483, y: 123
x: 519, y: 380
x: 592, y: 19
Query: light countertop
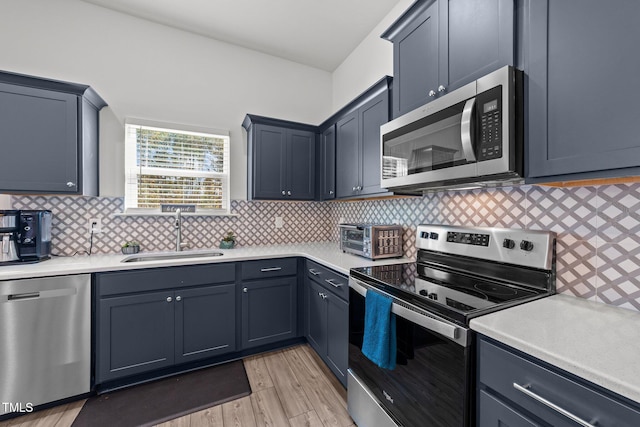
x: 326, y: 253
x: 597, y: 342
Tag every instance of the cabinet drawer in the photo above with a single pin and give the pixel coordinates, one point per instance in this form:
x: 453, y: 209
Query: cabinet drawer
x: 505, y: 372
x: 269, y: 268
x: 124, y: 282
x: 328, y: 278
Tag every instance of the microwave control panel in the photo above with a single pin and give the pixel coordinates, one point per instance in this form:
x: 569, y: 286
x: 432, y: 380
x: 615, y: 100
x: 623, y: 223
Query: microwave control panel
x: 489, y: 110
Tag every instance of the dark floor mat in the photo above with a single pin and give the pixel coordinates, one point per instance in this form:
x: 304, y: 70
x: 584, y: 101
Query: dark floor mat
x: 166, y: 399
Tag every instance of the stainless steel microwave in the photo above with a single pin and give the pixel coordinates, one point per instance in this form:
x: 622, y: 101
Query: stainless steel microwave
x: 472, y: 136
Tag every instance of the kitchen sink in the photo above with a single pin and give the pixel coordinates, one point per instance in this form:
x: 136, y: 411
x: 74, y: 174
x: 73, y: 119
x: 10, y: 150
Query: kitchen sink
x: 170, y: 256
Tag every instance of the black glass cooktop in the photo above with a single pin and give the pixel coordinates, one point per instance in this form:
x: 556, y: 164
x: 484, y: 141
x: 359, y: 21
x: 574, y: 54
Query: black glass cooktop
x: 457, y: 297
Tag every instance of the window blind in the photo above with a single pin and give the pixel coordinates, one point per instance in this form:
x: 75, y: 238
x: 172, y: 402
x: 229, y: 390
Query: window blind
x: 174, y: 166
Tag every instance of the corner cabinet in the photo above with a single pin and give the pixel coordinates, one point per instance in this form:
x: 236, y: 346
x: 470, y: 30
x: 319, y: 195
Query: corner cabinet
x: 50, y: 130
x: 327, y: 164
x: 281, y: 159
x: 441, y: 45
x: 269, y: 295
x: 327, y: 317
x: 582, y: 86
x: 520, y: 391
x: 358, y: 143
x: 157, y: 318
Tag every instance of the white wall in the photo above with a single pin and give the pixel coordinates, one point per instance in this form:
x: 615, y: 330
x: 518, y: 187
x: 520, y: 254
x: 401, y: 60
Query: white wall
x: 151, y: 71
x: 368, y: 63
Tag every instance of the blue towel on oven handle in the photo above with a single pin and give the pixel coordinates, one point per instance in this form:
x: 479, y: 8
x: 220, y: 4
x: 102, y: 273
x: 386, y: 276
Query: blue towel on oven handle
x: 379, y: 341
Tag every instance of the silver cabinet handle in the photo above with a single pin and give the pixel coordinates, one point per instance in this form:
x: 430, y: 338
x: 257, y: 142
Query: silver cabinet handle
x: 245, y: 290
x: 265, y: 270
x: 558, y: 409
x: 432, y: 93
x: 314, y: 272
x: 71, y: 184
x: 330, y: 191
x: 169, y: 299
x: 465, y: 130
x: 323, y: 296
x: 353, y: 189
x: 284, y: 193
x: 178, y: 298
x: 288, y: 193
x: 334, y: 284
x: 441, y: 88
x: 359, y: 187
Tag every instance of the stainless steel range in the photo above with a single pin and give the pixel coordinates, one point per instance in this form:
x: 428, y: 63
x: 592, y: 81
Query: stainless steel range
x: 460, y: 273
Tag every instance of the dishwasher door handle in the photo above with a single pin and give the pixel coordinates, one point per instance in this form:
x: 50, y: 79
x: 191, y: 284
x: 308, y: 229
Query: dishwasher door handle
x: 28, y: 295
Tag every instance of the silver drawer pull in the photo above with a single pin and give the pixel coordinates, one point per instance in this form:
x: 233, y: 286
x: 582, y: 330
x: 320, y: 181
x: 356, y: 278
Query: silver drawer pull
x: 534, y: 396
x: 314, y: 272
x: 265, y: 270
x: 30, y: 295
x: 334, y: 284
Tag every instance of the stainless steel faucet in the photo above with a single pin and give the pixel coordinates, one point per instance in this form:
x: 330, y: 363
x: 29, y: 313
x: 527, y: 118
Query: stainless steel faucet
x: 178, y: 227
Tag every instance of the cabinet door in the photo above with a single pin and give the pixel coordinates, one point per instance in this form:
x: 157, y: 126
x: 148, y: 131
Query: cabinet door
x: 494, y: 413
x: 415, y: 62
x: 301, y: 162
x: 338, y: 336
x: 135, y: 334
x: 348, y: 159
x: 372, y: 115
x: 328, y: 164
x: 582, y: 87
x: 269, y: 311
x: 39, y: 133
x: 317, y: 317
x: 205, y: 322
x: 269, y: 162
x: 476, y: 38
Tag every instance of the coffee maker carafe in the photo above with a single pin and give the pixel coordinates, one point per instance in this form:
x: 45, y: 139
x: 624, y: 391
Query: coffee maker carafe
x: 9, y: 227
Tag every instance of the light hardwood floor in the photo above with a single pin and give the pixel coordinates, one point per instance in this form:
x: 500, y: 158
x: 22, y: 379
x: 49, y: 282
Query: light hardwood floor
x: 290, y: 387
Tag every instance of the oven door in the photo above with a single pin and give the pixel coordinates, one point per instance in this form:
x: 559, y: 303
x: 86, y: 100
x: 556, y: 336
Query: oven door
x: 431, y: 385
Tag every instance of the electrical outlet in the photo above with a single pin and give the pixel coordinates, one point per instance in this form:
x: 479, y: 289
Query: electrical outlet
x: 95, y: 225
x: 279, y: 222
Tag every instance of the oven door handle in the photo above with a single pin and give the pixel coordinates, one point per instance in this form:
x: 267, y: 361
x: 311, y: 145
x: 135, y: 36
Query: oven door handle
x: 438, y: 326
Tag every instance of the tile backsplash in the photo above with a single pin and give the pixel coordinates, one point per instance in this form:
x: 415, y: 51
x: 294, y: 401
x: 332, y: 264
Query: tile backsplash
x: 598, y: 227
x: 253, y: 223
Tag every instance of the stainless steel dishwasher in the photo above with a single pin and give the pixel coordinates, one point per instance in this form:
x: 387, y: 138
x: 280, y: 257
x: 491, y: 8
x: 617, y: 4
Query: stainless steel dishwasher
x: 45, y: 340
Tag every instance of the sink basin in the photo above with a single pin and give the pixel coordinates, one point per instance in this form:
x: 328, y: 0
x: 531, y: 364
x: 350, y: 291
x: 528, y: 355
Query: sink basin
x: 170, y: 256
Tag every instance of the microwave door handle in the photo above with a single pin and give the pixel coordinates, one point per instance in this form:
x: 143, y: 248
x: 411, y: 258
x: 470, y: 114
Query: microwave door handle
x: 466, y: 134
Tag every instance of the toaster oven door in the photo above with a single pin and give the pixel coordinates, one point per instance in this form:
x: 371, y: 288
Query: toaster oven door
x: 352, y: 239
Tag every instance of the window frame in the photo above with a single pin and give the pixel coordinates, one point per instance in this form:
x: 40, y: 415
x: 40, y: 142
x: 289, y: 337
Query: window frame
x: 132, y: 170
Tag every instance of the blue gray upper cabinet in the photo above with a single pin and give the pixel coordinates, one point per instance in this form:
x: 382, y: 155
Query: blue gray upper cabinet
x: 441, y: 45
x: 358, y: 143
x: 327, y: 172
x: 582, y: 89
x: 49, y: 129
x: 281, y: 159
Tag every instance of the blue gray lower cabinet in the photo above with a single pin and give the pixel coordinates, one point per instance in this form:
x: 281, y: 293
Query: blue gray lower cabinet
x: 327, y: 318
x: 157, y: 318
x: 269, y: 311
x: 512, y: 384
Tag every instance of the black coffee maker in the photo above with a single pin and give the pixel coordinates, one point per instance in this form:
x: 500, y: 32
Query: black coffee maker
x: 26, y: 235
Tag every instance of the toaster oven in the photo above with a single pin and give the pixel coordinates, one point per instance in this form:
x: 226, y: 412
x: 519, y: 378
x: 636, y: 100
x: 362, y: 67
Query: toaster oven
x: 373, y: 241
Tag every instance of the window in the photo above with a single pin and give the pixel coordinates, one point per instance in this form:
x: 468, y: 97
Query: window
x: 175, y: 166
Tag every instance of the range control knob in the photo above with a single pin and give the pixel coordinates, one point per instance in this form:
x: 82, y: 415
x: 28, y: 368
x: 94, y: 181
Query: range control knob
x: 526, y: 245
x: 508, y: 243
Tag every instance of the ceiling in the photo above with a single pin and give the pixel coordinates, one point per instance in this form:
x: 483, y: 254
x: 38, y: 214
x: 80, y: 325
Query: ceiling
x: 319, y: 33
